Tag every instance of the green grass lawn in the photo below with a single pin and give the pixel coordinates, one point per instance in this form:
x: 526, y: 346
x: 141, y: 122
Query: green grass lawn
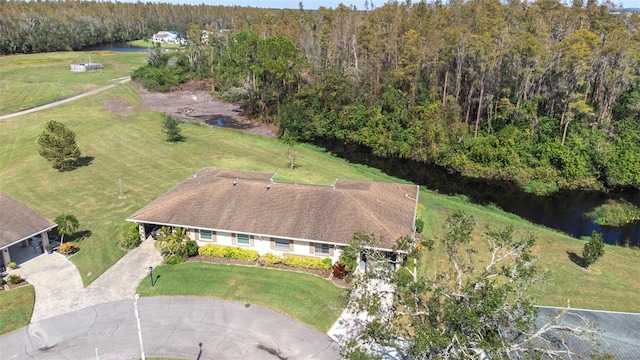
x: 131, y: 149
x: 308, y: 298
x: 30, y: 80
x: 16, y: 307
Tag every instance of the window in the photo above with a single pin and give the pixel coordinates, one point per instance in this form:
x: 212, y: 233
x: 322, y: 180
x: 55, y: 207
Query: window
x: 205, y: 235
x: 322, y: 249
x: 243, y: 239
x: 281, y: 244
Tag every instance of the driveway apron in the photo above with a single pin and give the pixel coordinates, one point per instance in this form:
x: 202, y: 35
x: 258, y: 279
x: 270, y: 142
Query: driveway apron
x: 59, y: 287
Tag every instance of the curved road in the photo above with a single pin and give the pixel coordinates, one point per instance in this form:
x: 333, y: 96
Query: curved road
x: 64, y: 101
x: 172, y: 327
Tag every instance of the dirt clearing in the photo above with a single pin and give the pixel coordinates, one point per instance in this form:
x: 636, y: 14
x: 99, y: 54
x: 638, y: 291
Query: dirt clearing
x: 199, y: 105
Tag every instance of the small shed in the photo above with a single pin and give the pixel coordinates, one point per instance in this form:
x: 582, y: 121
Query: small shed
x: 86, y: 67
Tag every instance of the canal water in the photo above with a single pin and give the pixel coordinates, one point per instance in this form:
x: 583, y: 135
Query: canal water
x: 564, y: 210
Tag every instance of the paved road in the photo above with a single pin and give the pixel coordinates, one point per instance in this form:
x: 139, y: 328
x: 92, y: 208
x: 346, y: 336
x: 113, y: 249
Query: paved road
x: 64, y: 101
x: 620, y: 332
x: 172, y: 327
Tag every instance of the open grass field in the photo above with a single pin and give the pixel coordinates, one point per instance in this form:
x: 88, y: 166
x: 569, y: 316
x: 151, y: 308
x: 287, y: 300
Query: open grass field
x: 301, y: 296
x: 16, y: 307
x: 30, y: 80
x: 131, y: 149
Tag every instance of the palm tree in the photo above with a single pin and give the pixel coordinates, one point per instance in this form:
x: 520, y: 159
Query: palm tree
x: 67, y: 225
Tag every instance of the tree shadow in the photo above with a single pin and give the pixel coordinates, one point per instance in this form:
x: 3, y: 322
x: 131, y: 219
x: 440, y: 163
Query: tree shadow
x: 80, y: 235
x: 84, y: 161
x: 577, y: 259
x: 178, y: 139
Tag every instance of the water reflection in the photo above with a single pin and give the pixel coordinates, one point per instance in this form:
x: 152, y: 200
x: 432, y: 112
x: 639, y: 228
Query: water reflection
x: 564, y: 211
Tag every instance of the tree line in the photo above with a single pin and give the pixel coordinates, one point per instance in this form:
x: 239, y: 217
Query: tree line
x: 541, y: 93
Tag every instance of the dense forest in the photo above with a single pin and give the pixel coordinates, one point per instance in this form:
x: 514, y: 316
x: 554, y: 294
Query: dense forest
x: 541, y: 93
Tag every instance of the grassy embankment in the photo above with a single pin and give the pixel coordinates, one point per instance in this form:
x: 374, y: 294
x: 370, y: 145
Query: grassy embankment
x: 131, y: 147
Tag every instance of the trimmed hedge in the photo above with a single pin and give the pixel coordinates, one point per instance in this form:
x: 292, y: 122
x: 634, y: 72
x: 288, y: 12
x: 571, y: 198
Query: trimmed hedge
x: 228, y: 252
x: 307, y: 262
x: 271, y: 258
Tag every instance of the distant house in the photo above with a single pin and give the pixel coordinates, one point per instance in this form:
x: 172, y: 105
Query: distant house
x: 20, y: 225
x: 249, y: 209
x: 86, y: 67
x: 168, y: 37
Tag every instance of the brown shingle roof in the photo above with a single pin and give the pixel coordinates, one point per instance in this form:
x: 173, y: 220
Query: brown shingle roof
x: 248, y: 202
x: 19, y: 222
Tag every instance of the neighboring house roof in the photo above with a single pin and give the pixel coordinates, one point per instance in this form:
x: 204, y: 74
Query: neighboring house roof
x: 249, y: 202
x: 164, y: 35
x: 19, y: 222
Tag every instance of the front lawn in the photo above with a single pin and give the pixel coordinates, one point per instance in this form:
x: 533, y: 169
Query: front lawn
x: 308, y: 298
x: 17, y: 307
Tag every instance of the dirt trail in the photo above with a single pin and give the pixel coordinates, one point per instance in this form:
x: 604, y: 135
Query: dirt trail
x: 64, y: 101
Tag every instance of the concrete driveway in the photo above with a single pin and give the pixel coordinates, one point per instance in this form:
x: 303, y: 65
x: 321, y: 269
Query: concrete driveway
x: 172, y: 327
x: 59, y: 286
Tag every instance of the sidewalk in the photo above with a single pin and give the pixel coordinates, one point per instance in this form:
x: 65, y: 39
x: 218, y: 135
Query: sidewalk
x: 59, y: 287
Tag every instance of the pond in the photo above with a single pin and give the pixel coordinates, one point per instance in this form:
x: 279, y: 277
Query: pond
x: 116, y: 46
x: 564, y: 210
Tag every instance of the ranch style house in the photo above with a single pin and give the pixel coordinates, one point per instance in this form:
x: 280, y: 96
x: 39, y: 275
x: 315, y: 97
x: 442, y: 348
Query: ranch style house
x: 21, y: 228
x: 249, y: 209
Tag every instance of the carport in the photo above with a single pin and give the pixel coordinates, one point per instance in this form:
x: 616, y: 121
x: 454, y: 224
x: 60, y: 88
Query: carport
x: 24, y: 233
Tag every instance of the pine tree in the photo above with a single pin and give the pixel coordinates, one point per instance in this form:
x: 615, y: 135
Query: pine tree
x: 58, y: 146
x: 171, y: 127
x: 593, y: 250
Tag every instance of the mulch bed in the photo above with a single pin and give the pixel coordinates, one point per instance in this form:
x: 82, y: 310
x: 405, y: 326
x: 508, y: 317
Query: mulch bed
x: 321, y: 273
x: 7, y: 286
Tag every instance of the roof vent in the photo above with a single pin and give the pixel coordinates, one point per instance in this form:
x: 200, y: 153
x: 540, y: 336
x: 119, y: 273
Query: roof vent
x: 235, y: 183
x: 268, y: 186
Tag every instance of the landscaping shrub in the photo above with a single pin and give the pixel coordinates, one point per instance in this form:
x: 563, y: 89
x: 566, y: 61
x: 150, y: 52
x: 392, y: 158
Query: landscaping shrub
x: 68, y: 248
x: 14, y: 279
x: 129, y: 237
x: 306, y: 262
x: 12, y: 265
x: 229, y: 252
x: 174, y: 259
x: 271, y: 258
x: 419, y: 226
x: 241, y: 254
x: 212, y: 251
x: 339, y: 271
x: 191, y: 248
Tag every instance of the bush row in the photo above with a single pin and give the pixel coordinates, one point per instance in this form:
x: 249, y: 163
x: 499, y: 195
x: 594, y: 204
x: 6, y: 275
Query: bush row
x: 307, y: 262
x: 228, y: 252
